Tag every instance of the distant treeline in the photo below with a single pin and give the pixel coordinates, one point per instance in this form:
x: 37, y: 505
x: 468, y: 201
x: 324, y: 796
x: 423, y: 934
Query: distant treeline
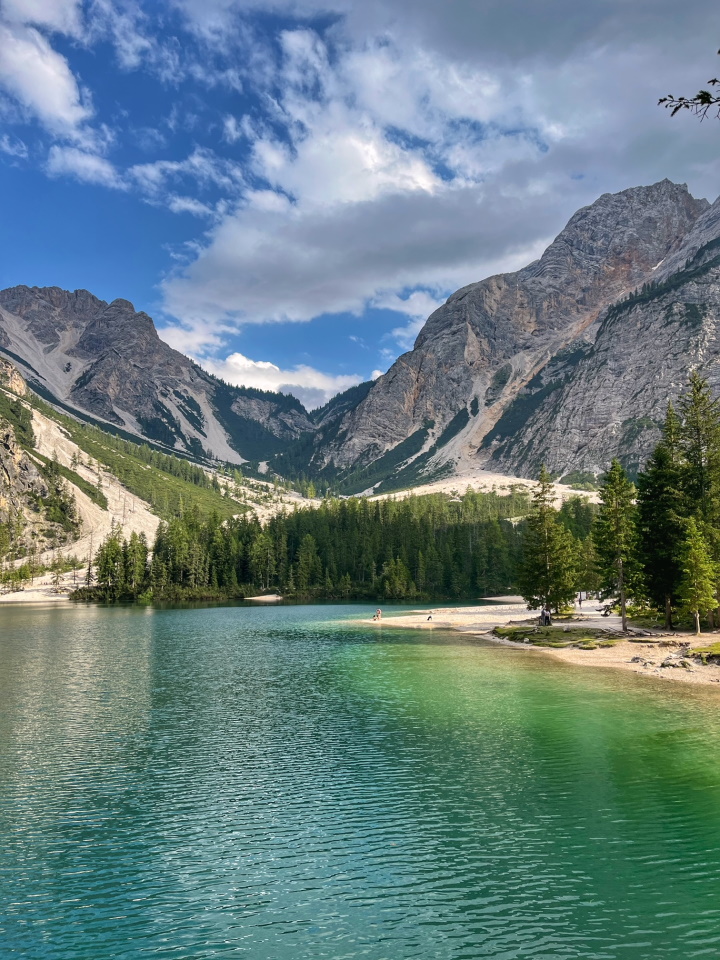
x: 428, y: 547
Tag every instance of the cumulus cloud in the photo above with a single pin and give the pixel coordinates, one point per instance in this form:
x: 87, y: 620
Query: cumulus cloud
x: 63, y: 16
x: 392, y: 152
x: 312, y: 387
x: 418, y: 305
x: 392, y: 170
x: 41, y: 80
x: 288, y: 264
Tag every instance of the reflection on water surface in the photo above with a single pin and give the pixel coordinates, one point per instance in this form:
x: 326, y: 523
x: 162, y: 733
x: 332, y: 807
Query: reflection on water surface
x: 273, y: 783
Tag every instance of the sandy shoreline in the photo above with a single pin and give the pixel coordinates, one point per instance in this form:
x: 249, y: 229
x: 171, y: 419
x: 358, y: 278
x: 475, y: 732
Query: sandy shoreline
x: 480, y: 621
x: 508, y: 611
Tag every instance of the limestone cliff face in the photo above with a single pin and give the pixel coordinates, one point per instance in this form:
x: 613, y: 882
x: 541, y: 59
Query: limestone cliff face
x: 107, y: 360
x: 613, y: 400
x: 11, y: 380
x: 20, y: 480
x: 479, y: 352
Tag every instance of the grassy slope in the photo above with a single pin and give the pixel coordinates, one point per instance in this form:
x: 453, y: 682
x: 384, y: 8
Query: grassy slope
x: 166, y: 493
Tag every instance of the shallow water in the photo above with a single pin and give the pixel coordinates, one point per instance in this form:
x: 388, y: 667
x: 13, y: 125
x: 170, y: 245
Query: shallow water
x: 273, y: 783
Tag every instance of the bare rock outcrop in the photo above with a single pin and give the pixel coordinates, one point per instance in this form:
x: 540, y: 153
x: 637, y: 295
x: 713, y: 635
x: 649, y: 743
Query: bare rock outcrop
x: 523, y: 367
x: 107, y: 360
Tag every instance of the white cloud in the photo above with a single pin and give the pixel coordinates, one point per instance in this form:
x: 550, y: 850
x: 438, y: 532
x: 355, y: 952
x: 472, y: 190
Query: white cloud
x: 178, y: 204
x: 265, y: 265
x: 122, y: 25
x: 202, y: 166
x: 13, y: 146
x: 41, y: 80
x: 312, y: 387
x: 402, y: 174
x: 83, y: 166
x: 400, y: 153
x: 417, y: 305
x: 64, y: 16
x: 232, y: 130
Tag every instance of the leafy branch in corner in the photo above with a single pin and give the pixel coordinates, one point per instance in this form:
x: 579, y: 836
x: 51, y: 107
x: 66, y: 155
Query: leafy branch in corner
x: 700, y: 104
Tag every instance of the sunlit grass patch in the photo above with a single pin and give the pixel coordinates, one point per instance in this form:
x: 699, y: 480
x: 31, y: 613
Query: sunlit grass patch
x: 558, y: 637
x: 707, y: 653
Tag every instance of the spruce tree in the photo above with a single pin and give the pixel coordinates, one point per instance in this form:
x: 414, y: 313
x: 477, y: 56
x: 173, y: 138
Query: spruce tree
x: 697, y: 585
x: 699, y: 442
x: 614, y: 534
x: 549, y: 565
x: 660, y: 519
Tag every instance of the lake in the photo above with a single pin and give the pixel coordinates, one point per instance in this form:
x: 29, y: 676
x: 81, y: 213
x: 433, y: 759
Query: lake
x: 282, y: 783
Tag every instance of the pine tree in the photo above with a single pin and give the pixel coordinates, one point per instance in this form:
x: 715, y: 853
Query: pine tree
x: 699, y: 441
x: 109, y: 565
x: 697, y: 585
x: 614, y: 534
x: 661, y: 507
x: 549, y: 564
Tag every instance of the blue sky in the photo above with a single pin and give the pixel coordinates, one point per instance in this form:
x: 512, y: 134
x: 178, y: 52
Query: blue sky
x: 289, y: 188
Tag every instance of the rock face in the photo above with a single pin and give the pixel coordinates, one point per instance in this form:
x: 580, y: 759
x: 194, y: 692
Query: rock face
x: 20, y: 479
x: 11, y: 379
x: 569, y: 361
x: 107, y: 360
x: 539, y: 365
x: 612, y: 401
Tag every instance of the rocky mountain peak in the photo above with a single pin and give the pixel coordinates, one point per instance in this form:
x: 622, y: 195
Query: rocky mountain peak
x: 479, y: 352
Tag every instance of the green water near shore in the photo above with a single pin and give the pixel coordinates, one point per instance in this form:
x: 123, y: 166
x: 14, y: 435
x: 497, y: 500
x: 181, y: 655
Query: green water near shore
x: 278, y: 783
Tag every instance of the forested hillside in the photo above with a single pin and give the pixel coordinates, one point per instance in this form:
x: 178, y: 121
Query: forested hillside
x: 426, y: 547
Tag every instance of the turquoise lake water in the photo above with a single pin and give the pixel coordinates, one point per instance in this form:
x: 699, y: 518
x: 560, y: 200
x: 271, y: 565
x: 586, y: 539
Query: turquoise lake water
x: 272, y: 783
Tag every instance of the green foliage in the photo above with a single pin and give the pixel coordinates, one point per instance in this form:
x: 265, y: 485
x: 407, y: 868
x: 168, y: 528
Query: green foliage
x: 549, y: 568
x: 249, y: 437
x: 363, y: 478
x: 520, y: 410
x: 661, y: 507
x: 699, y: 440
x: 696, y: 590
x: 169, y: 483
x: 421, y: 547
x: 557, y: 637
x: 615, y: 535
x: 580, y: 480
x: 341, y: 402
x: 458, y: 423
x: 89, y: 489
x: 577, y: 515
x: 498, y: 383
x: 59, y: 505
x: 19, y: 416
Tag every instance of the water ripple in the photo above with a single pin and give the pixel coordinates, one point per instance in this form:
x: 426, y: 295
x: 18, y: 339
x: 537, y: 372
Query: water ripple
x: 257, y: 783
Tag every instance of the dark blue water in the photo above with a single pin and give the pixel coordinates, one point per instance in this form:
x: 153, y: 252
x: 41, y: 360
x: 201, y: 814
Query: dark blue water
x: 270, y: 783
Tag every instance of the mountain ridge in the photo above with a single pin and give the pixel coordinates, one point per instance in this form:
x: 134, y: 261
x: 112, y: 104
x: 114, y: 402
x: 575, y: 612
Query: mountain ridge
x: 107, y: 360
x: 567, y: 361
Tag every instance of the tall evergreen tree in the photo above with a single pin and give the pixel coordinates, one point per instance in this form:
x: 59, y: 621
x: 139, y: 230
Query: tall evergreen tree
x: 699, y: 442
x: 697, y: 584
x: 614, y: 534
x: 549, y: 565
x: 660, y: 519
